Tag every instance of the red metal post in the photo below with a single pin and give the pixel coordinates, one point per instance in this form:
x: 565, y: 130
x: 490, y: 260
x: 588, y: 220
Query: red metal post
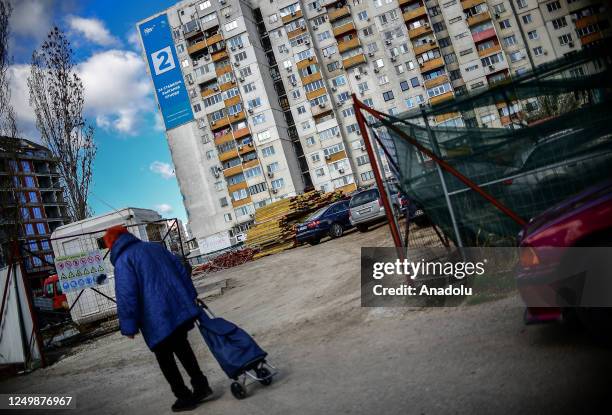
x: 357, y: 105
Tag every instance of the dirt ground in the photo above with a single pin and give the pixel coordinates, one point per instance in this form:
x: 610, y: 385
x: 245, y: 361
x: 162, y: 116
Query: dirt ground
x: 335, y: 357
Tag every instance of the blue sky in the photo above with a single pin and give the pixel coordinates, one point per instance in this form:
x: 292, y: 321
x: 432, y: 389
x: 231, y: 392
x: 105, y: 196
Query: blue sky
x: 133, y: 166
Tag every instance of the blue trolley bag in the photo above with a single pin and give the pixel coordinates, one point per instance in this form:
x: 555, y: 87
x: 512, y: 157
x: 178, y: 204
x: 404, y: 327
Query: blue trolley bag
x: 235, y: 351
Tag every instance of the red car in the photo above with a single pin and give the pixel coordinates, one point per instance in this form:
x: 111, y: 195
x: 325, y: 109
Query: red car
x: 584, y: 220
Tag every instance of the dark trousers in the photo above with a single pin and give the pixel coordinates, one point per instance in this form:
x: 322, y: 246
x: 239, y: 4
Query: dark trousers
x: 177, y: 344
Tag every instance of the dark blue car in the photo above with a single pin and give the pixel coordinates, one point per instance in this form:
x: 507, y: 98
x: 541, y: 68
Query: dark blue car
x: 331, y: 220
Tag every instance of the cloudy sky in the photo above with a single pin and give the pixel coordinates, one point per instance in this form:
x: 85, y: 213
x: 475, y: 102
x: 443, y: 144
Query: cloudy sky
x: 133, y: 167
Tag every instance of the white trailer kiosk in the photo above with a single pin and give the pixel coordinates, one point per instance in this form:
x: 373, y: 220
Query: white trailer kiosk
x: 85, y: 236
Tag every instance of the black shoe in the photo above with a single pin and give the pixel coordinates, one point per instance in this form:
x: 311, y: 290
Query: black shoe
x: 201, y: 393
x: 183, y: 404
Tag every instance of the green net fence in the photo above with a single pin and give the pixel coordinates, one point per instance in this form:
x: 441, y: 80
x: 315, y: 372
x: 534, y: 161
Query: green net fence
x: 557, y: 143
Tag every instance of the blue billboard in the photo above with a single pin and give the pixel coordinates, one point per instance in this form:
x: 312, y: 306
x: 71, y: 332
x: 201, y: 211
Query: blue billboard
x: 170, y: 88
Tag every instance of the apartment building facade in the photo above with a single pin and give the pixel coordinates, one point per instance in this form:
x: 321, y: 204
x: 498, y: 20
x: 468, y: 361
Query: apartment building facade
x: 32, y: 203
x: 270, y: 84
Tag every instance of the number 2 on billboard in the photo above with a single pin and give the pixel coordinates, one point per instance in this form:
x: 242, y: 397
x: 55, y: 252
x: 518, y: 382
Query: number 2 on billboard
x: 163, y: 61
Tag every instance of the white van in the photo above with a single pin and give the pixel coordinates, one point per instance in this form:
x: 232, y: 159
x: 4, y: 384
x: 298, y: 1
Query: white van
x: 85, y: 236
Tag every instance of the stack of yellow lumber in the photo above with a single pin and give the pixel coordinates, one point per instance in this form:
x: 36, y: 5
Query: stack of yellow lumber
x: 274, y: 229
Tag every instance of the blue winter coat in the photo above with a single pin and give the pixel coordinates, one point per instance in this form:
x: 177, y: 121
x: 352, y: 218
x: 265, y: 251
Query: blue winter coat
x: 154, y: 292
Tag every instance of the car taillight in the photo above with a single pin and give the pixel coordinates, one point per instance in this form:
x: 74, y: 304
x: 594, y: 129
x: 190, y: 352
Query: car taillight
x: 529, y: 258
x: 313, y: 224
x: 508, y: 181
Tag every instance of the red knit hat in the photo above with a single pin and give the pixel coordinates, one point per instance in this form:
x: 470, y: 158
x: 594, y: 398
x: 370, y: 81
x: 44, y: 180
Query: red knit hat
x: 112, y: 234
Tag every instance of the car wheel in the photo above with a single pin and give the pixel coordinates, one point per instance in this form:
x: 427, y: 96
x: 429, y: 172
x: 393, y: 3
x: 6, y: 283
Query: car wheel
x: 362, y: 228
x: 336, y: 230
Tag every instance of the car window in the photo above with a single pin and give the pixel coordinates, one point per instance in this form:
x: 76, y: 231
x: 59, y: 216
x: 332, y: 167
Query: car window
x: 317, y: 214
x: 364, y: 197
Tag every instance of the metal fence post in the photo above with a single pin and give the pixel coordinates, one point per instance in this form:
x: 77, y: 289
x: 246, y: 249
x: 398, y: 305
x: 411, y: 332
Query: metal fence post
x: 436, y: 150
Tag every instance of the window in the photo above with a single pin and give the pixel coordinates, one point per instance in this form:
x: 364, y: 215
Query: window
x: 323, y: 35
x: 499, y: 8
x: 368, y: 175
x: 336, y: 148
x: 273, y: 18
x: 509, y: 40
x: 273, y: 167
x: 240, y: 56
x: 410, y: 65
x: 439, y: 90
x: 29, y: 181
x: 301, y: 110
x: 388, y: 96
x: 399, y: 69
x: 415, y: 82
x: 471, y: 68
x: 310, y: 141
x: 41, y: 229
x: 537, y: 51
x: 33, y: 196
x: 329, y: 133
x: 29, y: 229
x: 362, y: 15
x: 450, y: 58
x: 257, y: 188
x: 263, y: 136
x: 516, y: 56
x: 553, y: 5
x: 455, y: 74
x: 521, y: 3
x: 240, y: 194
x: 353, y: 128
x: 315, y: 157
x: 505, y: 24
x: 438, y: 27
x: 219, y: 185
x: 254, y: 103
x: 347, y: 112
x: 227, y: 217
x: 363, y: 159
x: 404, y: 85
x: 339, y: 81
x: 244, y: 72
x: 565, y: 39
x: 379, y: 63
x: 368, y: 31
x: 231, y: 25
x: 532, y: 34
x: 259, y: 119
x: 444, y: 42
x: 559, y: 23
x: 320, y: 172
x: 255, y: 171
x: 249, y: 87
x: 413, y: 101
x: 278, y: 183
x: 333, y: 66
x: 267, y: 151
x: 527, y: 19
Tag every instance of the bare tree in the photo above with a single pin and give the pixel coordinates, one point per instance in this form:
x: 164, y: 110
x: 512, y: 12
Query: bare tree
x: 56, y: 95
x: 8, y: 125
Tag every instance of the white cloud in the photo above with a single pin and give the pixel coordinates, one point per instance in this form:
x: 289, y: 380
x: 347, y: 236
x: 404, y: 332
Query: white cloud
x: 117, y: 90
x: 165, y: 170
x: 32, y: 18
x: 159, y: 122
x: 93, y: 30
x: 20, y: 99
x: 133, y: 39
x: 163, y: 208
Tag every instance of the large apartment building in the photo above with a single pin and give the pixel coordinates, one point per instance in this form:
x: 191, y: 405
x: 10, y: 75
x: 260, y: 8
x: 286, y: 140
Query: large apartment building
x: 266, y: 85
x: 31, y: 203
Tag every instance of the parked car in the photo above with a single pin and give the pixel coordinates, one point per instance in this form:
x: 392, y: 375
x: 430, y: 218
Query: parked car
x: 583, y: 220
x: 366, y: 208
x: 331, y: 220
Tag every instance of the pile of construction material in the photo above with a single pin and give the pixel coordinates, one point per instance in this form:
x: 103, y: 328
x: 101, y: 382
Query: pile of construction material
x: 225, y: 260
x: 274, y: 229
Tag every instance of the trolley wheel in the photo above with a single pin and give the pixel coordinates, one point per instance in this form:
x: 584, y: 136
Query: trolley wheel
x: 238, y: 390
x: 264, y: 373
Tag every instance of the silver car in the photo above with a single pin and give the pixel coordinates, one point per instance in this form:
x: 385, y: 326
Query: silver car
x: 366, y: 208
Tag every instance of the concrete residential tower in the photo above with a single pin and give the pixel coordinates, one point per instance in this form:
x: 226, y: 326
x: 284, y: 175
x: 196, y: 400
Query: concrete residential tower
x: 256, y: 95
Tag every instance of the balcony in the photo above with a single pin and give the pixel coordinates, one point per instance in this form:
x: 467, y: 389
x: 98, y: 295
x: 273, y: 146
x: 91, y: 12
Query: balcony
x: 296, y: 32
x: 345, y: 28
x: 241, y: 202
x: 478, y: 18
x: 439, y: 80
x: 590, y: 38
x: 223, y: 138
x: 232, y: 101
x: 311, y: 78
x: 222, y: 54
x: 446, y: 96
x: 425, y: 48
x: 250, y: 163
x: 214, y: 39
x: 232, y: 171
x: 488, y: 51
x: 336, y: 156
x: 223, y: 122
x: 233, y: 153
x: 431, y: 64
x: 344, y: 45
x: 316, y: 93
x: 233, y: 187
x: 419, y: 31
x: 237, y: 117
x: 413, y: 14
x: 246, y: 148
x: 196, y: 47
x: 483, y: 35
x: 292, y: 16
x: 405, y: 2
x: 468, y: 4
x: 241, y: 132
x: 206, y: 92
x: 354, y: 61
x: 321, y: 109
x: 335, y: 14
